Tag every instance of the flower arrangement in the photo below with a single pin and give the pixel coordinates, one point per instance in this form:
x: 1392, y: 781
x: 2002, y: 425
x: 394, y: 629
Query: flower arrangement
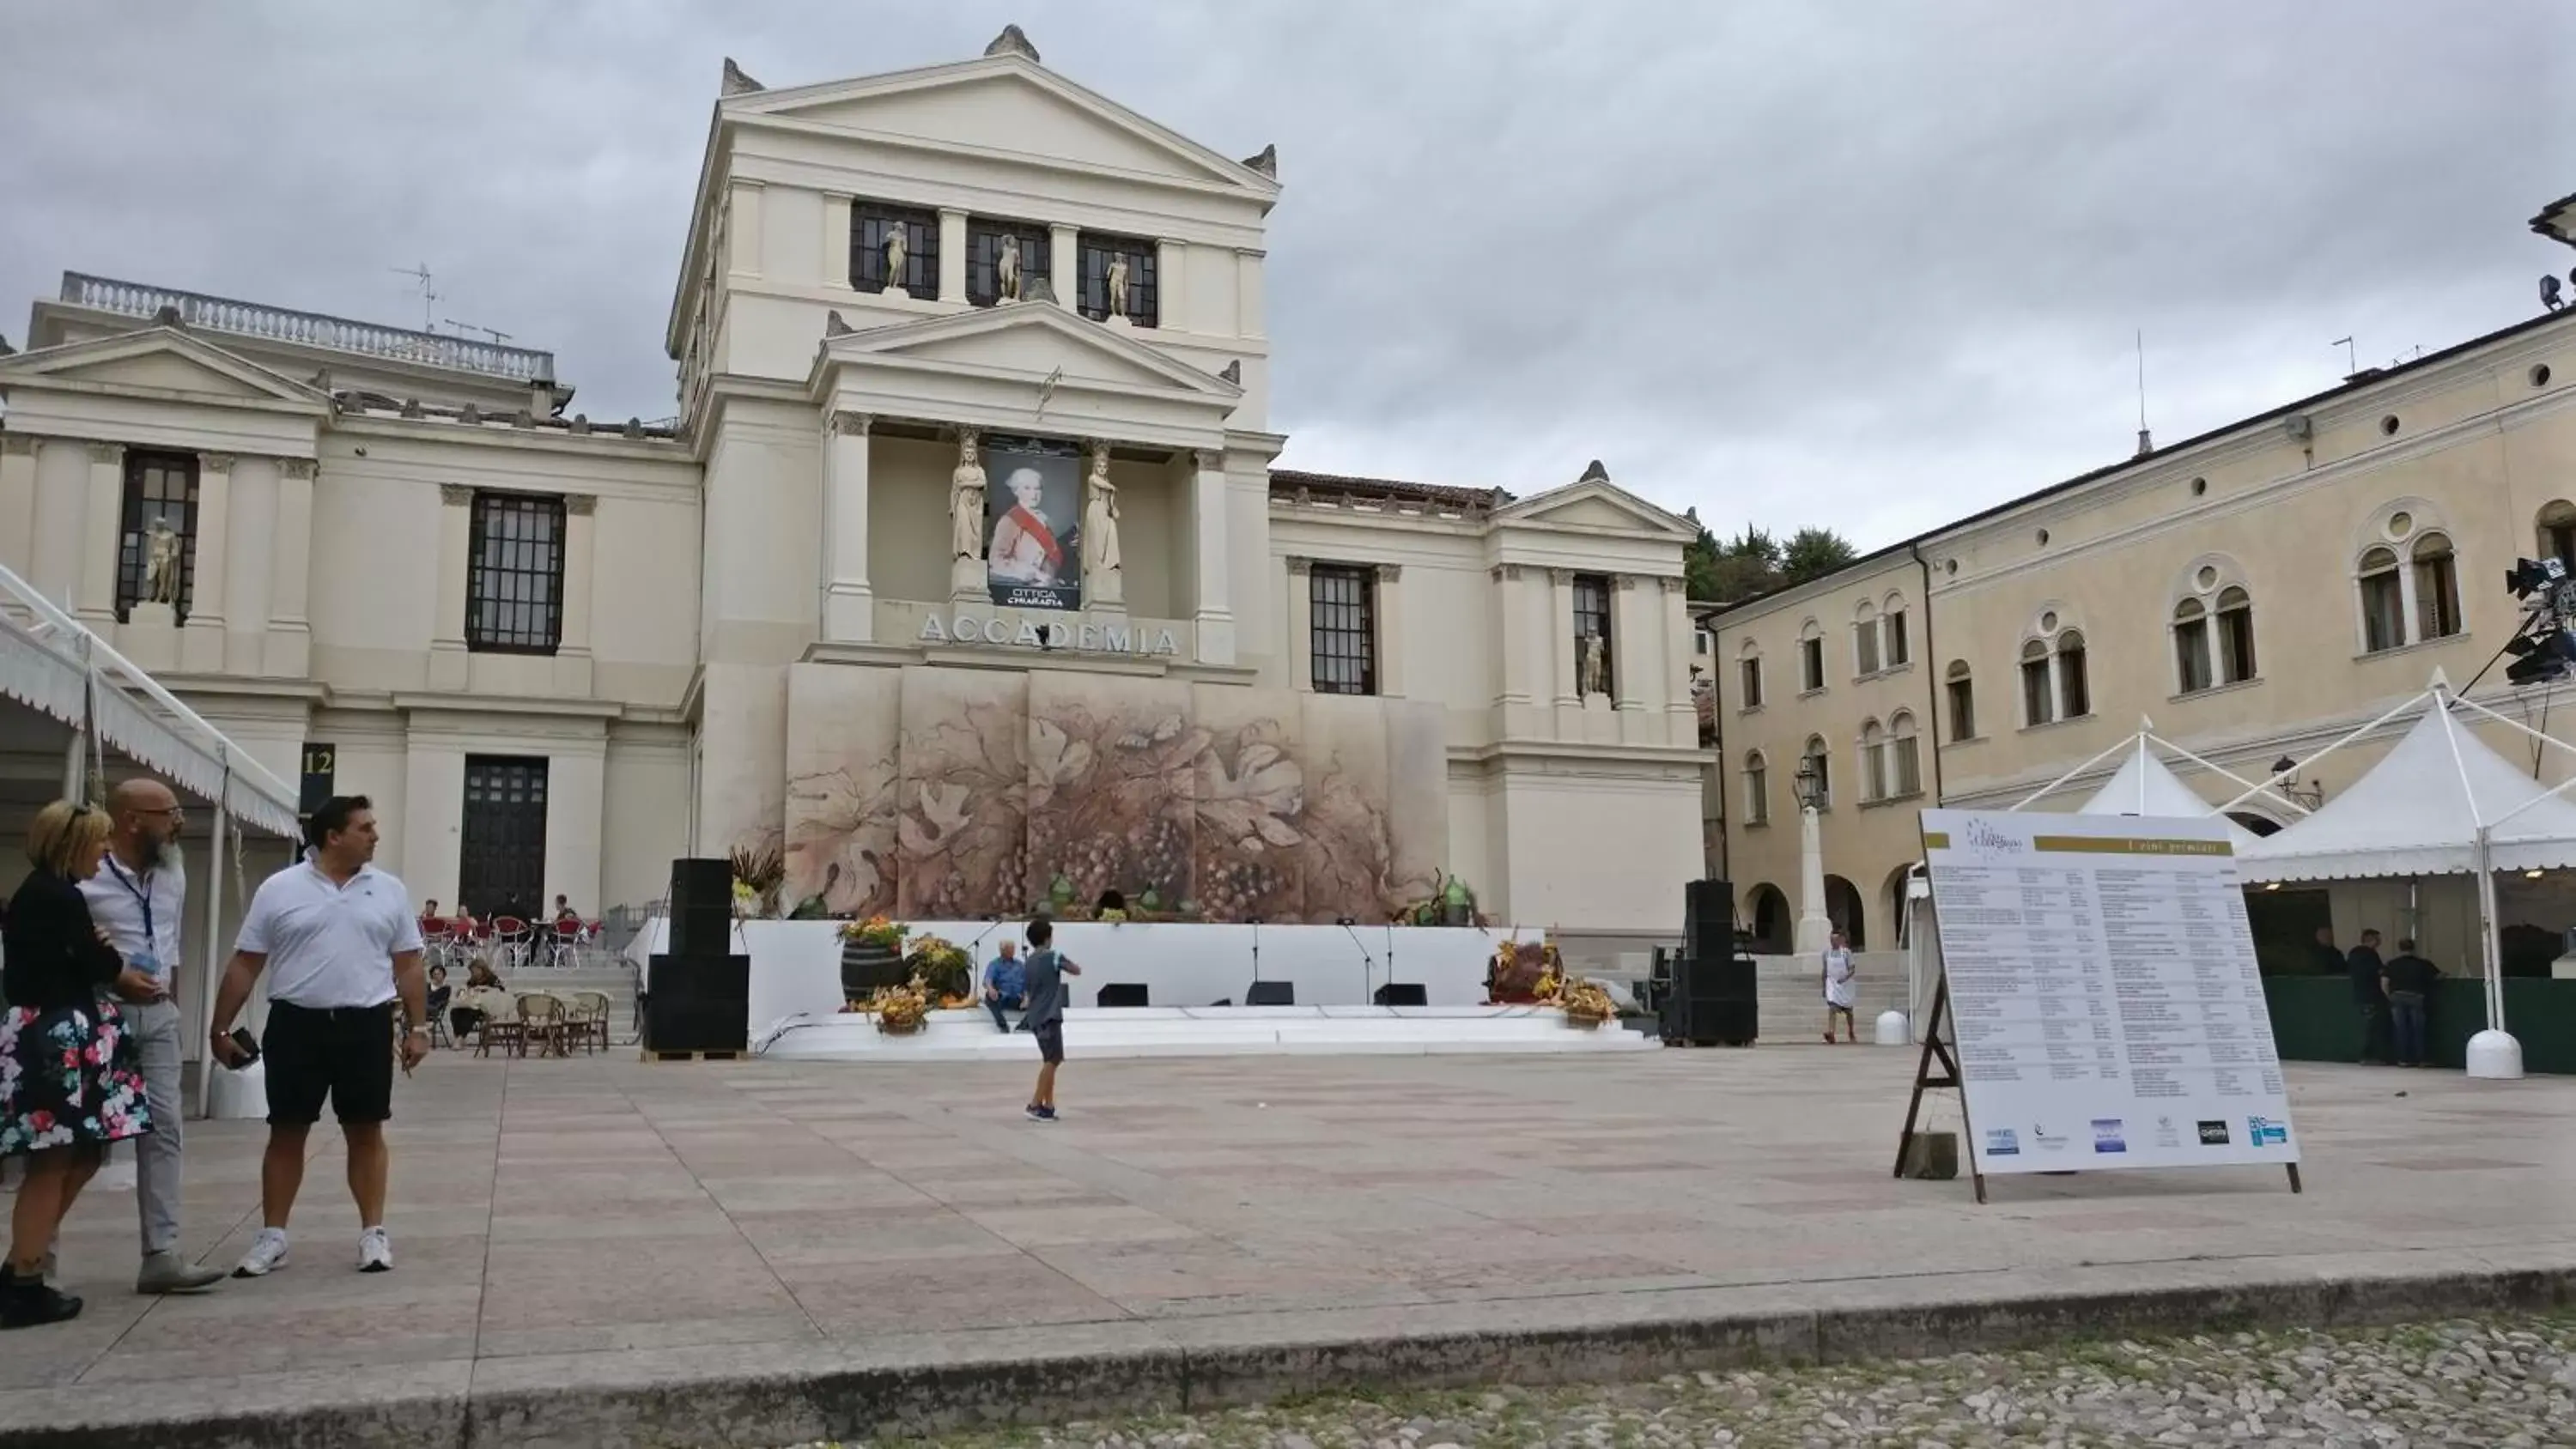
x: 941, y: 969
x: 758, y: 873
x: 878, y: 931
x: 900, y: 1010
x: 1587, y: 1003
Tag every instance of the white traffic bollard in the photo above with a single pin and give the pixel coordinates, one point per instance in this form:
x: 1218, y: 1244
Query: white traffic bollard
x: 1891, y: 1028
x: 2495, y: 1056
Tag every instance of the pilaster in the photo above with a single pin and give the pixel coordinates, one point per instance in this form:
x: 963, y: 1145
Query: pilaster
x: 1681, y: 712
x: 838, y: 253
x: 952, y: 256
x: 1248, y: 320
x: 1211, y: 558
x: 1064, y: 266
x: 102, y: 518
x: 744, y: 229
x: 1568, y: 696
x: 1171, y: 281
x: 290, y: 632
x: 1299, y: 619
x: 17, y: 503
x: 447, y: 658
x: 201, y: 646
x: 849, y: 603
x: 1512, y: 680
x: 1390, y: 630
x: 580, y: 571
x: 1636, y: 658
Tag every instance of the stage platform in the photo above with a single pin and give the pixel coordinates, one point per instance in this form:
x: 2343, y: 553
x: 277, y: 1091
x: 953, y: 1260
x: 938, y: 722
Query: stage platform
x: 1212, y: 1031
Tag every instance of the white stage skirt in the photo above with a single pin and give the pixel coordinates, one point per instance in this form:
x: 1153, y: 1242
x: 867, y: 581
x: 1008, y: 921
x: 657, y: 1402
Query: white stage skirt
x: 796, y: 965
x: 1102, y: 1033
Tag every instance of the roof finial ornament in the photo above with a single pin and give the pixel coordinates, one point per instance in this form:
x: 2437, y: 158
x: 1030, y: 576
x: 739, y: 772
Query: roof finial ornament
x: 1267, y: 163
x: 736, y: 83
x: 1232, y: 372
x: 834, y: 326
x: 1014, y: 41
x: 1594, y: 473
x: 168, y: 317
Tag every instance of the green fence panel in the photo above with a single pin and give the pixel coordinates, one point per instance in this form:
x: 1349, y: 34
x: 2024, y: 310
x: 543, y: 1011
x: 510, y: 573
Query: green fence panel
x: 2314, y: 1019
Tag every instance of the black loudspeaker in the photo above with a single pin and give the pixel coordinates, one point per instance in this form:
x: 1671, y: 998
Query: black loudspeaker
x: 1708, y: 920
x: 1401, y: 993
x: 698, y: 1004
x: 701, y: 907
x: 1270, y: 993
x: 1132, y: 993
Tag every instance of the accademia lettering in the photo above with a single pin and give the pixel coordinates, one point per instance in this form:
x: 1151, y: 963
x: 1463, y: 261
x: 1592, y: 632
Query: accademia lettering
x: 1083, y: 638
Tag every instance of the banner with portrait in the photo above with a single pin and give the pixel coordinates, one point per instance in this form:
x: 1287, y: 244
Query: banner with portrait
x: 1033, y: 524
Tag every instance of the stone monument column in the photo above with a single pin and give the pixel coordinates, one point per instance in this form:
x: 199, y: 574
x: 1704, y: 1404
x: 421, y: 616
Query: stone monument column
x: 849, y: 604
x: 966, y: 577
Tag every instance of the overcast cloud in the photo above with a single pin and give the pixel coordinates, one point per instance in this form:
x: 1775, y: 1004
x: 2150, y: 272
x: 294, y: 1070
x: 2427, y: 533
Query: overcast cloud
x: 1868, y: 265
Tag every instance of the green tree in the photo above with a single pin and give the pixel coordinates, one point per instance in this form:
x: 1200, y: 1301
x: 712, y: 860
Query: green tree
x: 1745, y: 565
x: 1812, y: 553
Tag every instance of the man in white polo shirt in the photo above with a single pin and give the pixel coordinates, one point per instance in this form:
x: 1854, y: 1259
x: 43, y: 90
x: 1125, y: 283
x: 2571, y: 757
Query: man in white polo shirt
x: 345, y: 943
x: 139, y: 898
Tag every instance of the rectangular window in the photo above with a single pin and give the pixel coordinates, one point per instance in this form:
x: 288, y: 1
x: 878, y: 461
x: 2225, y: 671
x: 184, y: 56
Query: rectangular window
x: 1873, y: 770
x: 1100, y: 256
x: 872, y: 231
x: 984, y: 251
x: 1897, y: 648
x: 2191, y: 654
x: 2437, y: 593
x: 1811, y: 664
x: 501, y: 860
x: 1592, y: 621
x: 2236, y: 642
x: 2036, y: 698
x: 1865, y: 647
x: 2383, y: 612
x: 1749, y: 677
x: 2074, y: 691
x: 1963, y: 710
x: 1343, y: 601
x: 1909, y: 766
x: 514, y: 589
x: 1757, y: 794
x: 160, y: 515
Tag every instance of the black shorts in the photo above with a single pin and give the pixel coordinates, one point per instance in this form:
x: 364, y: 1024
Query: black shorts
x: 346, y: 1055
x: 1050, y: 1041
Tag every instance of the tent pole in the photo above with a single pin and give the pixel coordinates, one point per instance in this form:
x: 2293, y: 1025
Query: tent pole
x: 2277, y: 777
x: 2053, y: 786
x: 213, y: 953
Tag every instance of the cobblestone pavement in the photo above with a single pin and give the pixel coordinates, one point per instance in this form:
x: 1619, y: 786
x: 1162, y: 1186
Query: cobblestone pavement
x: 2496, y: 1384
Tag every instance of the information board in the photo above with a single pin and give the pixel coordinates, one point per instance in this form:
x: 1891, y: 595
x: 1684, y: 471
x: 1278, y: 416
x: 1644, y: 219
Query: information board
x: 2103, y: 993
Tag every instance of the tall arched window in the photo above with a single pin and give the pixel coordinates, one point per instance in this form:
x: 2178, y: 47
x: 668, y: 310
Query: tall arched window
x: 2383, y: 601
x: 1961, y: 696
x: 1811, y: 657
x: 1819, y: 760
x: 1895, y: 648
x: 2191, y: 647
x: 1904, y: 756
x: 2235, y: 635
x: 2556, y: 530
x: 2038, y: 697
x: 1757, y: 789
x: 1873, y: 762
x: 2437, y: 587
x: 2074, y: 689
x: 1865, y: 641
x: 1748, y: 677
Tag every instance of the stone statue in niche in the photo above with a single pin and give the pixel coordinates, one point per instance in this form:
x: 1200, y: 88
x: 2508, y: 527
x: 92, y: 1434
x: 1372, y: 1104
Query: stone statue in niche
x: 966, y: 507
x: 1117, y: 285
x: 895, y: 254
x: 1101, y: 572
x: 1006, y: 271
x: 161, y: 565
x: 1592, y: 673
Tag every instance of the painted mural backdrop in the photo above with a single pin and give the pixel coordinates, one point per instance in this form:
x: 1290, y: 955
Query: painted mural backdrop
x: 970, y: 792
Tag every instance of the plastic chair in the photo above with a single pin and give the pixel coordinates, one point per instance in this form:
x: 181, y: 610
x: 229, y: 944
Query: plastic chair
x: 511, y: 940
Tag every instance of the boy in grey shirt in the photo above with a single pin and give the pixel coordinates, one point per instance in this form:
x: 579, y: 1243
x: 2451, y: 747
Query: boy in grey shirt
x: 1045, y: 1018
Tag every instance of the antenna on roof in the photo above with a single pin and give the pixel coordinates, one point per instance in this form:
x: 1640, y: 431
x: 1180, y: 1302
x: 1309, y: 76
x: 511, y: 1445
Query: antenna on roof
x: 429, y: 295
x: 2351, y: 362
x: 2146, y: 445
x: 494, y: 333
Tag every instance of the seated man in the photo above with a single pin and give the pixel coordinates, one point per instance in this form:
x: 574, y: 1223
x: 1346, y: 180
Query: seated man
x: 1006, y: 984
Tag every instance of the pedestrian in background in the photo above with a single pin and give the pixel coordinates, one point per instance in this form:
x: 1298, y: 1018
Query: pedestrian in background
x: 2408, y: 981
x: 2370, y: 998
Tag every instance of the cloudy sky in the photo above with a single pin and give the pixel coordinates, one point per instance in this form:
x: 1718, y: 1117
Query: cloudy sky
x: 1867, y: 265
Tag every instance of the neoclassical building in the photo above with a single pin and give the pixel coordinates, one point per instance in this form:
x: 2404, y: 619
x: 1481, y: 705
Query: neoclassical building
x: 2256, y: 592
x: 964, y: 574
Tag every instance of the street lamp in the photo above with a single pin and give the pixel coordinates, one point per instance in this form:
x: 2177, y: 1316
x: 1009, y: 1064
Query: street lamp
x: 1815, y: 928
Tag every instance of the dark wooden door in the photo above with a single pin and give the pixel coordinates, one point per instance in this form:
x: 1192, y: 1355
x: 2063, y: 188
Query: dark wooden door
x: 502, y: 868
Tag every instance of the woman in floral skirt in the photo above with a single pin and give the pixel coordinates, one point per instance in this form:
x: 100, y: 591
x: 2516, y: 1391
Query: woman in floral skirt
x: 68, y: 1078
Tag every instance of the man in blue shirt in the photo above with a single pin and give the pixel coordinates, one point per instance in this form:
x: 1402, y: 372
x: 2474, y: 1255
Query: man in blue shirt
x: 1006, y: 986
x: 1045, y: 1021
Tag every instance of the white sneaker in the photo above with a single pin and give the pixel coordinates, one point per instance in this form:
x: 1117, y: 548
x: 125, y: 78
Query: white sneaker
x: 375, y: 1252
x: 267, y: 1254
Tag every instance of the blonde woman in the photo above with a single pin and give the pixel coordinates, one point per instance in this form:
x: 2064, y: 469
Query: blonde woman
x: 69, y: 1079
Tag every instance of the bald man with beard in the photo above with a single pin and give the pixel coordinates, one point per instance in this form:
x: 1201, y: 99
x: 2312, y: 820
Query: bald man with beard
x: 139, y: 899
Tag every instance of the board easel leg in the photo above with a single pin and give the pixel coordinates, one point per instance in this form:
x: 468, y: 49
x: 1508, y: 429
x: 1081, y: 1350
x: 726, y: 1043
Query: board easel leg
x: 2294, y: 1177
x: 1979, y: 1179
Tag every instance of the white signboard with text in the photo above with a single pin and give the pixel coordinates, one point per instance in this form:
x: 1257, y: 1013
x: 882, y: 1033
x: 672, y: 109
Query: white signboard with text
x: 2104, y: 997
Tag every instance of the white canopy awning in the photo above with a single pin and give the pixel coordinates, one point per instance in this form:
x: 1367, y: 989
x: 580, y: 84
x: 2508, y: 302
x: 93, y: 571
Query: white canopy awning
x: 2145, y: 785
x: 2418, y: 812
x: 55, y: 667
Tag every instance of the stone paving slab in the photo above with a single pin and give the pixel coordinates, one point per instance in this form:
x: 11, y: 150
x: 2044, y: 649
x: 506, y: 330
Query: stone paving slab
x: 595, y: 1251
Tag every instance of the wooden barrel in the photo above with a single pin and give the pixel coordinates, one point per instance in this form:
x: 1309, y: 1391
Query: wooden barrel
x: 866, y: 966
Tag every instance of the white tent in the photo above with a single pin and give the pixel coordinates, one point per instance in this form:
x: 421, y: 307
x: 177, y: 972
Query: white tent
x: 2145, y: 785
x: 2418, y: 812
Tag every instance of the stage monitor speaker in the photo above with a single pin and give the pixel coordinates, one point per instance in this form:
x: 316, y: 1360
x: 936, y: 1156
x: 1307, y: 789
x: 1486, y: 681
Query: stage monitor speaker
x: 1402, y: 993
x: 1728, y: 978
x: 701, y: 907
x: 1123, y: 993
x: 1271, y: 993
x: 698, y: 1004
x: 1708, y: 920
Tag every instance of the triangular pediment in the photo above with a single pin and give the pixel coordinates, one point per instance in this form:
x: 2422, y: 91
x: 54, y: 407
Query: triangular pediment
x: 157, y: 361
x: 1030, y: 342
x: 1596, y: 504
x: 1005, y: 104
